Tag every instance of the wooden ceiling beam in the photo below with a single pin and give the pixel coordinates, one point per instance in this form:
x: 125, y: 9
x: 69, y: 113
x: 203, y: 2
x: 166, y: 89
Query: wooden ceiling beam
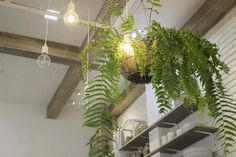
x: 23, y: 46
x: 211, y: 12
x: 64, y: 91
x: 59, y: 53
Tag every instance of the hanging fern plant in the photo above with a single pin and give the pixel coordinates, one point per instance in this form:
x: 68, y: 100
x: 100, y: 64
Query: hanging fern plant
x: 176, y: 62
x: 183, y: 62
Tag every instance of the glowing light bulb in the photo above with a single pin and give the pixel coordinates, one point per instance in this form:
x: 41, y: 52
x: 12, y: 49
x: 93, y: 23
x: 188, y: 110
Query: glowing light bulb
x: 44, y: 60
x: 126, y: 46
x: 71, y: 18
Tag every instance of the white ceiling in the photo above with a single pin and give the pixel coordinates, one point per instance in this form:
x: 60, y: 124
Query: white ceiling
x: 23, y: 82
x: 33, y: 24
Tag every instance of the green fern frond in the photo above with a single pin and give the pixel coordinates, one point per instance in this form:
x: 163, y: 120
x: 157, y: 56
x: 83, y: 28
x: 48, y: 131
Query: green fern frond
x: 181, y: 61
x: 101, y: 92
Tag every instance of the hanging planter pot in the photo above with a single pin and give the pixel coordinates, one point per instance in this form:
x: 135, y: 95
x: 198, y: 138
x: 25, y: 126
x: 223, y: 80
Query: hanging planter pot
x: 130, y: 65
x: 130, y: 71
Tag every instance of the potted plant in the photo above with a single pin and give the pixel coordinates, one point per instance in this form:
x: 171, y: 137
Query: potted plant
x: 174, y: 61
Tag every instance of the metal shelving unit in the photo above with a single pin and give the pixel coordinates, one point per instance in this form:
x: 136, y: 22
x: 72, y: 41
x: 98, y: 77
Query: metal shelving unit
x: 186, y: 139
x: 169, y: 120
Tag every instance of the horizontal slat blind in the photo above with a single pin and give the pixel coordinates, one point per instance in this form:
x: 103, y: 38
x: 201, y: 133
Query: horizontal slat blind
x: 225, y: 38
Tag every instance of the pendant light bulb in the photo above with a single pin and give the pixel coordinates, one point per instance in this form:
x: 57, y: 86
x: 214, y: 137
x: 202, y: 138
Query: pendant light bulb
x: 126, y: 46
x: 44, y: 60
x: 71, y: 18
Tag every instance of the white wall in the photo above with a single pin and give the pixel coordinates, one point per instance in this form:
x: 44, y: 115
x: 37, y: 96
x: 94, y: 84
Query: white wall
x: 25, y: 132
x: 135, y: 111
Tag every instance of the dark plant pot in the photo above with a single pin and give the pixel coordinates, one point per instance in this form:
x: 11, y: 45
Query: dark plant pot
x: 130, y: 71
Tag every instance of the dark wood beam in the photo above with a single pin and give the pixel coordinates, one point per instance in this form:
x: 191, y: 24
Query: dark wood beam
x: 60, y: 53
x: 211, y: 12
x: 64, y: 91
x: 30, y: 47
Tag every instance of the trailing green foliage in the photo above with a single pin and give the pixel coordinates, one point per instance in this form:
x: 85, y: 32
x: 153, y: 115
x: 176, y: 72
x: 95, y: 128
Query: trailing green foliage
x: 128, y: 25
x: 101, y: 92
x: 183, y: 62
x: 180, y: 63
x: 154, y: 4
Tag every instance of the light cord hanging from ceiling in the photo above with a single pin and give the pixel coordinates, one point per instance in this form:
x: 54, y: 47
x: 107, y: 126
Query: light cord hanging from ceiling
x: 46, y: 33
x: 88, y: 41
x: 44, y: 60
x: 126, y: 9
x: 81, y: 104
x: 144, y: 11
x: 126, y: 46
